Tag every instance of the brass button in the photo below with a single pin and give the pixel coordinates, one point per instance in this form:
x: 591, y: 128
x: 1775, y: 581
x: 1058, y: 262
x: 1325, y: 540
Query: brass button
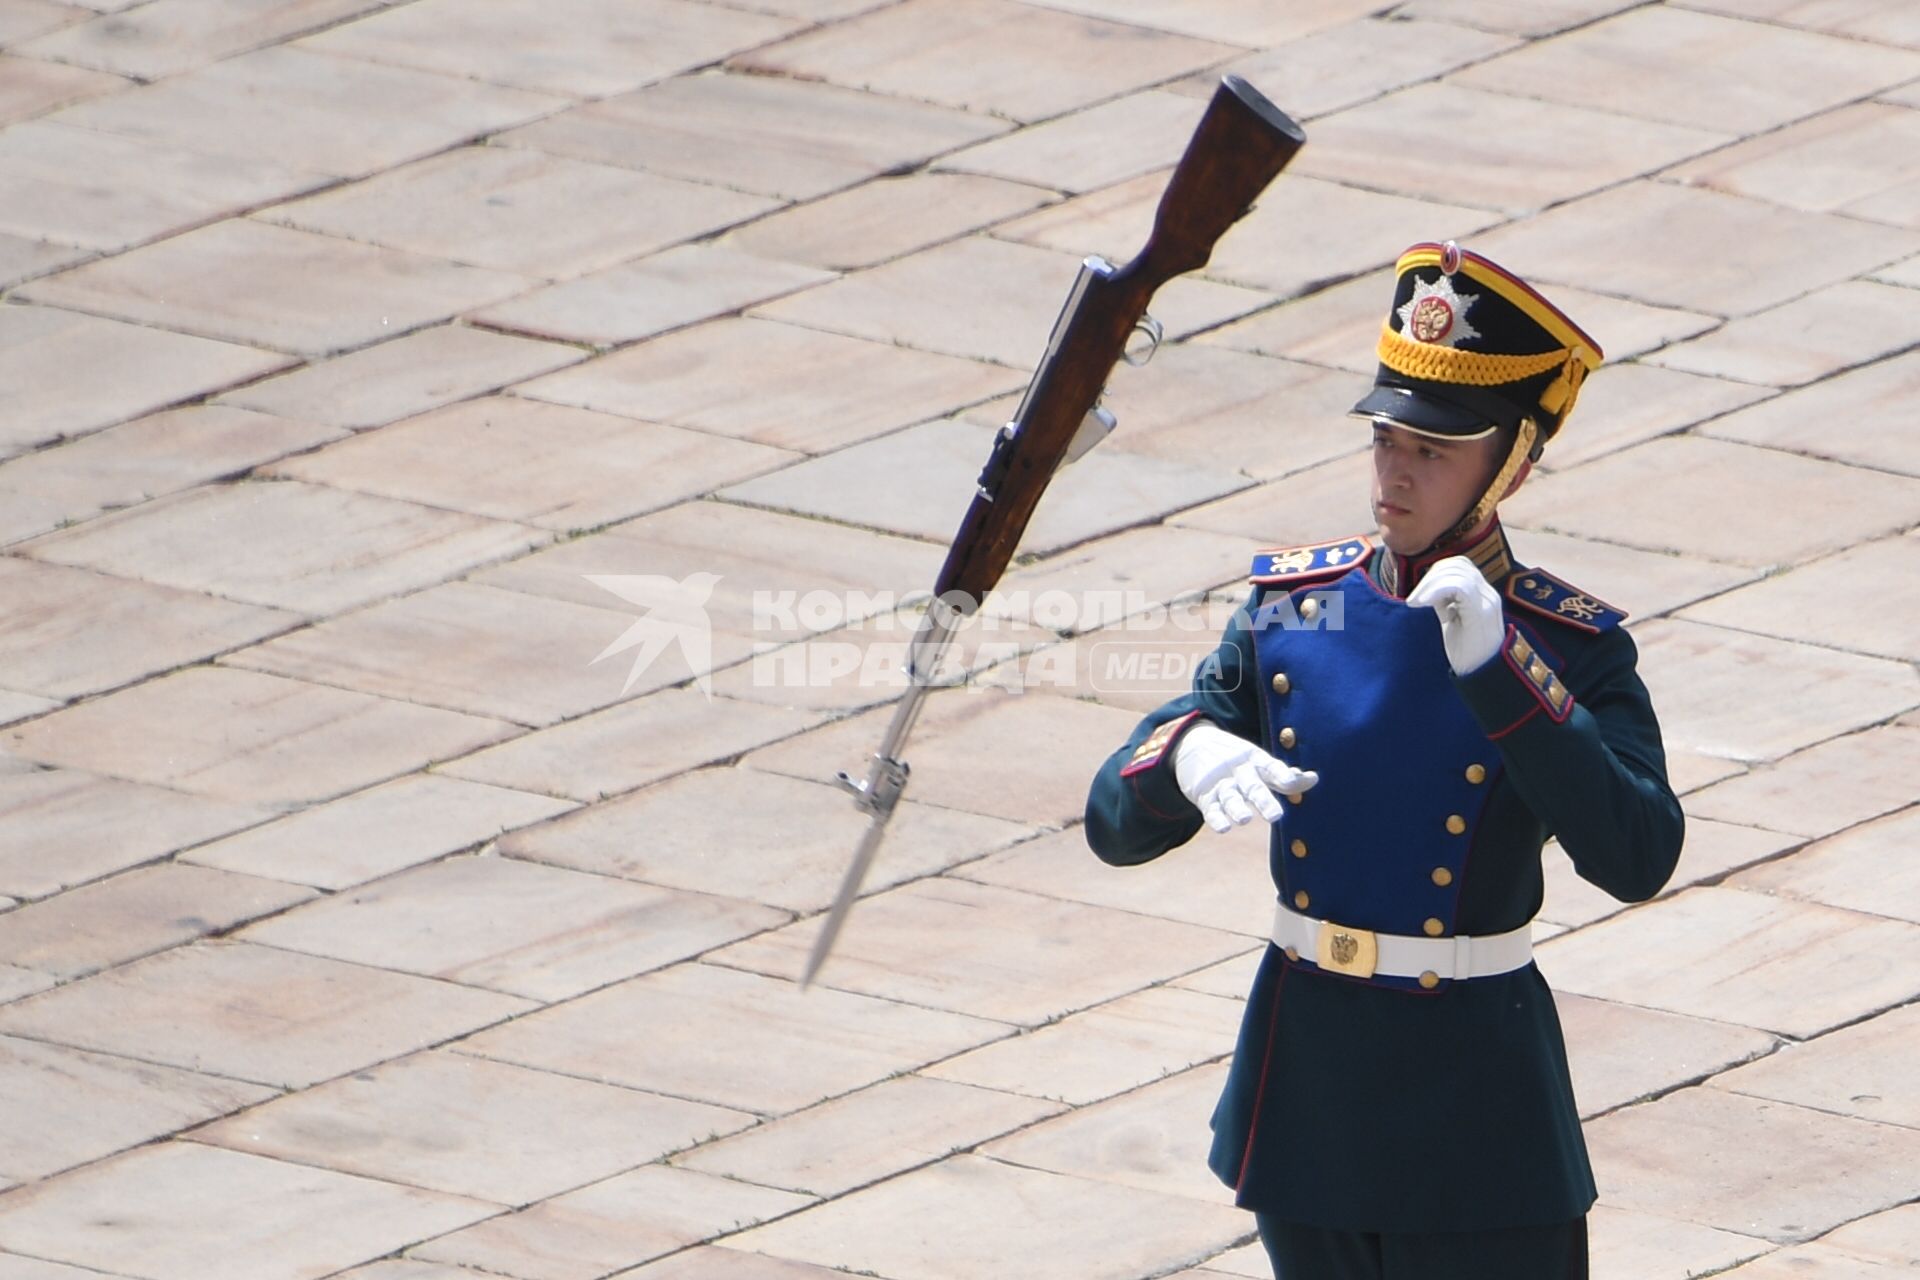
x: 1429, y: 979
x: 1538, y: 671
x: 1280, y: 682
x: 1456, y: 824
x: 1300, y: 899
x: 1433, y: 927
x: 1442, y: 877
x: 1299, y: 848
x: 1476, y: 773
x: 1288, y: 737
x: 1310, y: 607
x: 1292, y: 953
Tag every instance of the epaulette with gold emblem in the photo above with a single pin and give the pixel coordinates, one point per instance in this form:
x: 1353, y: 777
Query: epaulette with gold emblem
x: 1549, y: 597
x: 1297, y: 564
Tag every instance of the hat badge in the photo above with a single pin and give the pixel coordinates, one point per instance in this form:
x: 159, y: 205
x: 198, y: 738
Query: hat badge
x: 1437, y: 313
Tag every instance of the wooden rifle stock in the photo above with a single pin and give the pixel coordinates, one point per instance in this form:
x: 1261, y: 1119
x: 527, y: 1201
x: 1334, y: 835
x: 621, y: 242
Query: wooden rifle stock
x: 1242, y: 142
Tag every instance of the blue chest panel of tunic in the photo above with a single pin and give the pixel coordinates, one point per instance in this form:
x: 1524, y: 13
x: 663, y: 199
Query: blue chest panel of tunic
x: 1361, y: 693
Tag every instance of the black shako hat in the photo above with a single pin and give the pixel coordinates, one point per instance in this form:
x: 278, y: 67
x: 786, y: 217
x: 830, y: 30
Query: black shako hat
x: 1468, y: 347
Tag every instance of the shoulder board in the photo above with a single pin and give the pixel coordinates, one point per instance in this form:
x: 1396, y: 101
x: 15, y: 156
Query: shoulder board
x: 1548, y: 596
x: 1299, y: 564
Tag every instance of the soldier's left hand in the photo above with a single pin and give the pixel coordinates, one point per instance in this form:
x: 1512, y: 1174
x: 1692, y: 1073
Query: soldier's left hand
x: 1471, y: 624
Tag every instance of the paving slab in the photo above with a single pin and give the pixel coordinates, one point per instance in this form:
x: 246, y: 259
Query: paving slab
x: 254, y: 1013
x: 407, y: 375
x: 149, y: 909
x: 630, y: 744
x: 1094, y: 147
x: 515, y: 210
x: 1151, y: 1139
x: 296, y: 546
x: 708, y: 831
x: 467, y: 1126
x: 148, y: 457
x: 1345, y: 65
x: 69, y: 632
x: 920, y: 481
x: 1664, y: 244
x: 342, y: 116
x: 17, y: 983
x: 76, y: 373
x: 248, y: 281
x: 713, y: 1031
x: 1456, y: 143
x: 928, y: 1224
x: 150, y: 1214
x: 960, y: 756
x: 1230, y: 979
x: 402, y: 1269
x: 466, y: 648
x: 1757, y: 1168
x: 1860, y: 869
x: 1027, y: 959
x: 1801, y: 341
x: 1126, y: 581
x: 63, y: 827
x: 646, y: 1213
x: 1713, y: 850
x: 170, y: 36
x: 1841, y: 418
x: 1815, y: 1262
x: 248, y: 738
x: 989, y: 56
x: 1885, y: 21
x: 1623, y: 1242
x: 1888, y: 1235
x: 22, y: 258
x: 637, y: 300
x: 889, y: 217
x: 1233, y: 21
x: 1620, y: 1053
x: 1823, y: 789
x: 582, y: 48
x: 90, y: 1105
x: 722, y: 1263
x: 1864, y: 600
x: 863, y: 1137
x: 769, y: 135
x: 1328, y: 500
x: 1649, y: 496
x: 780, y: 576
x: 1106, y: 1050
x: 1864, y: 1070
x: 15, y: 1267
x: 25, y: 19
x: 20, y: 706
x: 1794, y: 968
x: 518, y: 927
x: 31, y: 87
x: 538, y: 463
x: 1849, y: 160
x: 376, y: 832
x: 1644, y: 583
x: 988, y: 299
x: 1699, y: 69
x: 1622, y: 405
x: 1219, y: 882
x: 1328, y: 230
x: 778, y: 384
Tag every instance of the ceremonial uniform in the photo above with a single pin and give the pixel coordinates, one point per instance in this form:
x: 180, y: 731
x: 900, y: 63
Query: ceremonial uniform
x: 1400, y: 1075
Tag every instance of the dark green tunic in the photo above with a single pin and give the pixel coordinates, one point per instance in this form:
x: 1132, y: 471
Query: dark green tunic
x: 1377, y: 1104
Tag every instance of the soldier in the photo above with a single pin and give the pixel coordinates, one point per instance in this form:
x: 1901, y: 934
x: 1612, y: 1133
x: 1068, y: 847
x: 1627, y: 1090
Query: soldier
x: 1414, y: 719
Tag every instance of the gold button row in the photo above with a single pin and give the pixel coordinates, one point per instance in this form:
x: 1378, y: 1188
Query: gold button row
x: 1429, y: 979
x: 1299, y: 848
x: 1288, y: 737
x: 1280, y: 682
x: 1442, y: 877
x: 1456, y: 825
x: 1476, y: 773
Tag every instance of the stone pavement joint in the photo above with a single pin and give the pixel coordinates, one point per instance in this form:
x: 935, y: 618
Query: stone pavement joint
x: 356, y: 924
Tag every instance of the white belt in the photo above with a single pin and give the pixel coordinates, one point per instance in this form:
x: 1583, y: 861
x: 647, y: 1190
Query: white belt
x: 1362, y: 953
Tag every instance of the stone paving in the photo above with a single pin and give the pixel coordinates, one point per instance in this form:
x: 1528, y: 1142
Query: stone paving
x: 356, y: 922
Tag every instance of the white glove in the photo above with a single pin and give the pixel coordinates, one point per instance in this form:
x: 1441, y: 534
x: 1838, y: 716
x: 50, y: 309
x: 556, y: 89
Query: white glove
x: 1471, y: 624
x: 1230, y: 779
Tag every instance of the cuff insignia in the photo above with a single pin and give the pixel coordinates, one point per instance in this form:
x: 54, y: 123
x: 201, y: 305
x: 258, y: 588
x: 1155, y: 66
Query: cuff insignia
x: 1156, y: 745
x: 1539, y: 677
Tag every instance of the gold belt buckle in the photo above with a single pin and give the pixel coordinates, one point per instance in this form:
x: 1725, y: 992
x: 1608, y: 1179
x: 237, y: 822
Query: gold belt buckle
x: 1343, y: 949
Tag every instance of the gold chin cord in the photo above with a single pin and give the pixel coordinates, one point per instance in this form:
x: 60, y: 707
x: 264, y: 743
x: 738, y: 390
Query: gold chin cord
x: 1516, y: 458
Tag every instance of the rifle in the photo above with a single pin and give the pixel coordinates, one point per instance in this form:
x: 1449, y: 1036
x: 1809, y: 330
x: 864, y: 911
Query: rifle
x: 1241, y: 144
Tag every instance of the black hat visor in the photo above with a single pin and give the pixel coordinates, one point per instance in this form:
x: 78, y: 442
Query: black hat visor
x: 1423, y: 412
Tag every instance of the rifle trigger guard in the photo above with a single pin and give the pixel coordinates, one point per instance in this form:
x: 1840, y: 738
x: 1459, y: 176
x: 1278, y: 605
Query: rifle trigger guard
x: 1148, y: 325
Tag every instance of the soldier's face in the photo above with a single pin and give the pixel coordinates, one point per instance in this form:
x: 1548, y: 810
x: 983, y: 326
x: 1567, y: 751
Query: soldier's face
x: 1423, y: 484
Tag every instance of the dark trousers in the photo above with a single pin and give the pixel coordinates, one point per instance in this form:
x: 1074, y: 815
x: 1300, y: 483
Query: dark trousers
x: 1557, y: 1252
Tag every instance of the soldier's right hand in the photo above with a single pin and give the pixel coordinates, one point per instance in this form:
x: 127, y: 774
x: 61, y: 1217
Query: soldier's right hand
x: 1230, y: 779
